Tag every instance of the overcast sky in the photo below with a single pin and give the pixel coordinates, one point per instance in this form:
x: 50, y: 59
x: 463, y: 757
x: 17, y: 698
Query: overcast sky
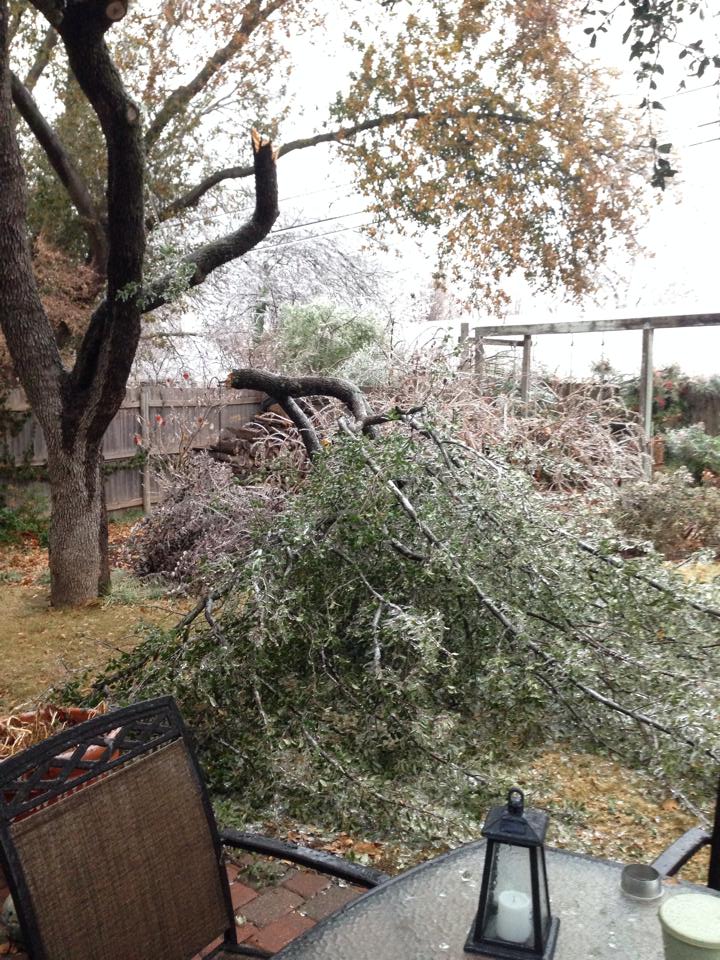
x: 676, y: 273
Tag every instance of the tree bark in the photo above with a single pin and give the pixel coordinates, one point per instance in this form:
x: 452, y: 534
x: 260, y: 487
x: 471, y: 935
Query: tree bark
x: 79, y: 566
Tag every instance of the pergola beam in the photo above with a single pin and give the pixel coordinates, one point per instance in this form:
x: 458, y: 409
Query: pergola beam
x: 648, y: 325
x: 600, y: 326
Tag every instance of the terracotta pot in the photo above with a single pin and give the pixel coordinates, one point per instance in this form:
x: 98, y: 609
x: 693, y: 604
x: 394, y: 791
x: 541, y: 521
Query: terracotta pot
x: 43, y: 723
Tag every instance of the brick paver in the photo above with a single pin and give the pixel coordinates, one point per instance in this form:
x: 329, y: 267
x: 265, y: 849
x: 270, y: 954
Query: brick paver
x: 271, y: 905
x: 279, y: 933
x: 240, y: 894
x: 273, y: 902
x: 246, y: 931
x: 328, y: 901
x: 305, y: 883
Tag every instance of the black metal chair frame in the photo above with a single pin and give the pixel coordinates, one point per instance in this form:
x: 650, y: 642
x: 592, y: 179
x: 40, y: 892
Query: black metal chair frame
x: 685, y: 847
x: 36, y: 777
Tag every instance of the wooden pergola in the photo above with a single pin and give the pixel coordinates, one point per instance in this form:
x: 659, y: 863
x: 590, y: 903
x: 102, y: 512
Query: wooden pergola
x: 498, y: 334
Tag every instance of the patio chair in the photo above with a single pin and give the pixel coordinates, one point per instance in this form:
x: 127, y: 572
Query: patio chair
x: 677, y: 855
x: 111, y: 850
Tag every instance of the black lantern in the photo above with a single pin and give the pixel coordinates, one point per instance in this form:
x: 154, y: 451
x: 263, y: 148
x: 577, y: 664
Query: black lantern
x: 513, y: 919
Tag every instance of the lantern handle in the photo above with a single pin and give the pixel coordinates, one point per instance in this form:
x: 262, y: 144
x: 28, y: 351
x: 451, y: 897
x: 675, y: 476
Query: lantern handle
x: 516, y: 801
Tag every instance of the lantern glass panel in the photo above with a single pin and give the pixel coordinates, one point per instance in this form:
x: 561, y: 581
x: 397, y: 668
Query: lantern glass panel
x: 544, y: 905
x: 508, y: 912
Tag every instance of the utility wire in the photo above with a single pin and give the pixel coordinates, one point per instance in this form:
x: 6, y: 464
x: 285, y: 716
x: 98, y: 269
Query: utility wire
x: 685, y: 93
x: 232, y: 211
x: 700, y: 143
x: 319, y: 236
x: 312, y: 223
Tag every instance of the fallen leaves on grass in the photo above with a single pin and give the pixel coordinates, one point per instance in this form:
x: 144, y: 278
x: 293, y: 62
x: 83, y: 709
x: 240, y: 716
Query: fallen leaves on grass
x: 23, y: 564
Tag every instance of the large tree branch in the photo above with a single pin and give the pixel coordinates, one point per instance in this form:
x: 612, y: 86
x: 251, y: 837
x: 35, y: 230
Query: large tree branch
x: 278, y: 386
x: 196, y: 266
x: 340, y: 134
x: 42, y: 59
x: 286, y: 390
x: 67, y: 172
x: 54, y: 10
x: 27, y: 330
x: 303, y: 424
x: 253, y: 16
x: 108, y: 347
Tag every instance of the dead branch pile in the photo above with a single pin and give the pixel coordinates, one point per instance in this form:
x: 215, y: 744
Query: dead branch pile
x: 267, y: 446
x: 204, y: 518
x: 568, y: 440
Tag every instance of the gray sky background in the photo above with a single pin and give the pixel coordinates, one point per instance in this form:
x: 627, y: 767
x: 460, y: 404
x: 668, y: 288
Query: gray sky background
x: 676, y: 273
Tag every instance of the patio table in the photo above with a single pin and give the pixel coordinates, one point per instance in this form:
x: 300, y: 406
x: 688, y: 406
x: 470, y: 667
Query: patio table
x: 426, y: 913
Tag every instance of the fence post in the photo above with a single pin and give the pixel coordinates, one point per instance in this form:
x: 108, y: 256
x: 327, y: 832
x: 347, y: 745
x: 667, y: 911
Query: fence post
x: 145, y: 433
x: 646, y: 399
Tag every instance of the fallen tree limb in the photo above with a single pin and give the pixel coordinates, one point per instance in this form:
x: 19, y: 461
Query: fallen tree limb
x: 286, y: 391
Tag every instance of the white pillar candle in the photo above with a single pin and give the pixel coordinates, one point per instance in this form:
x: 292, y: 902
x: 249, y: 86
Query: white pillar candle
x: 513, y: 916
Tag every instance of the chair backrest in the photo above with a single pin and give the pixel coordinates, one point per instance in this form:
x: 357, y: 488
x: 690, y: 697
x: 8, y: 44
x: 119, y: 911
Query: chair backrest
x: 109, y: 844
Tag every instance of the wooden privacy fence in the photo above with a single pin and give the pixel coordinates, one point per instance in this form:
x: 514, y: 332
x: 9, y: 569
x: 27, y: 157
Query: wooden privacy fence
x: 164, y: 419
x: 703, y: 406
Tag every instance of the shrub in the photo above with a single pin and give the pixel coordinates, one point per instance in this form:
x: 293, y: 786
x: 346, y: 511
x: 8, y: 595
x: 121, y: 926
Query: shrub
x: 677, y: 517
x: 320, y: 339
x: 694, y: 449
x: 204, y: 521
x: 27, y: 518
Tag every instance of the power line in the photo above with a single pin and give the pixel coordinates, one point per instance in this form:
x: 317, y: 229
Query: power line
x: 312, y: 193
x: 319, y: 236
x: 700, y: 143
x: 232, y: 211
x: 668, y: 96
x: 312, y: 223
x: 685, y: 93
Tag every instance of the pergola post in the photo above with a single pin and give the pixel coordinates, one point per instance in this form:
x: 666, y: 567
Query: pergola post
x: 479, y: 356
x: 464, y: 333
x: 646, y: 398
x: 525, y: 375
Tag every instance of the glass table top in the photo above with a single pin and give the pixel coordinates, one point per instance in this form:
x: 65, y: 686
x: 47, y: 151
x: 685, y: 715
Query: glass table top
x: 426, y: 914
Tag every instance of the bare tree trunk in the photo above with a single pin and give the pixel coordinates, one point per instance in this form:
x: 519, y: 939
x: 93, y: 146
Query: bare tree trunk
x: 79, y: 568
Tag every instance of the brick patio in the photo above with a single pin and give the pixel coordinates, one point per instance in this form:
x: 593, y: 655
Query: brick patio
x: 274, y: 902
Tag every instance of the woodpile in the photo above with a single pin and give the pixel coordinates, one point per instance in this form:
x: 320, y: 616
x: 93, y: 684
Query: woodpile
x: 268, y: 436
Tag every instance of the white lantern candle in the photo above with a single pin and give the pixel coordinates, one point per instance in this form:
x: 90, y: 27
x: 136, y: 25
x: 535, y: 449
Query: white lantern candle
x: 513, y: 916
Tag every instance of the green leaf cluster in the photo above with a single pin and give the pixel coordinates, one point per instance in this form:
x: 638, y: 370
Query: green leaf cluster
x: 694, y: 448
x: 320, y: 338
